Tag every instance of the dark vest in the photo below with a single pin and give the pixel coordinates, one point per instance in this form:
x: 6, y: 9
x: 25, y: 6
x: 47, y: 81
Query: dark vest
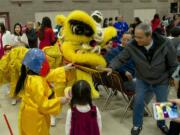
x: 84, y: 123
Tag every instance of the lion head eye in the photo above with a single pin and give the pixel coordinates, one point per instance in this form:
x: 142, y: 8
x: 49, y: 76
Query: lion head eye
x: 80, y: 28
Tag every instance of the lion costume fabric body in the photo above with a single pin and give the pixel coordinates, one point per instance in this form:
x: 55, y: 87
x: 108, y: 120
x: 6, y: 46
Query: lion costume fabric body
x: 10, y: 67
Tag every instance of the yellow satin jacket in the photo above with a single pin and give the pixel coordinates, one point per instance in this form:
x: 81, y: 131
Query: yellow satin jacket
x: 36, y: 108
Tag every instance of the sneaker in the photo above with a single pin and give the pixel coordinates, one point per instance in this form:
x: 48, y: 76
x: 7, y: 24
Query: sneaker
x: 136, y: 130
x: 164, y: 129
x: 14, y: 101
x: 53, y: 121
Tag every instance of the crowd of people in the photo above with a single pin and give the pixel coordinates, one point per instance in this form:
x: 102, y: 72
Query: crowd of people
x: 32, y: 35
x: 146, y: 55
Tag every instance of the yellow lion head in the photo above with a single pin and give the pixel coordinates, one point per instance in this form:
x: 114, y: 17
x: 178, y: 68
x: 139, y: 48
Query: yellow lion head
x: 60, y: 19
x: 108, y: 33
x: 79, y: 27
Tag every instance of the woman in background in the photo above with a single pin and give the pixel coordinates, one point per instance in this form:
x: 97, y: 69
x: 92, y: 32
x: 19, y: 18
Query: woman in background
x: 5, y: 40
x: 46, y: 34
x: 19, y: 39
x: 136, y: 22
x: 156, y: 22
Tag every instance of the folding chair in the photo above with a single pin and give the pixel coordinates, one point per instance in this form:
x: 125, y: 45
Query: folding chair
x: 106, y: 82
x: 117, y: 85
x: 112, y: 85
x: 130, y: 94
x: 98, y: 80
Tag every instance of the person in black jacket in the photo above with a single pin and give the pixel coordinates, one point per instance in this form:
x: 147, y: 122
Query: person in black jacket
x: 155, y: 61
x: 31, y: 35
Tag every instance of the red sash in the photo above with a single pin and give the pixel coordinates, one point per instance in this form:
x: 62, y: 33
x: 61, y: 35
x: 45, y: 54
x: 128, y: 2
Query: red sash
x: 1, y: 47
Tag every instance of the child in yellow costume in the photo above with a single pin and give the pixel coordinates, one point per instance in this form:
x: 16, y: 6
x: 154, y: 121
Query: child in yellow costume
x: 38, y: 101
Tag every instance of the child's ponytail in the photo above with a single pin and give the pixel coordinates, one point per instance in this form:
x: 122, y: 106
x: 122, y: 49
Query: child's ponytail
x: 20, y: 83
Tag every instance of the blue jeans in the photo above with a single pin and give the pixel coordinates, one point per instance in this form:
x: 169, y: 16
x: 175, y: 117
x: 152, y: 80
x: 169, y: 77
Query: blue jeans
x: 131, y: 85
x: 161, y: 93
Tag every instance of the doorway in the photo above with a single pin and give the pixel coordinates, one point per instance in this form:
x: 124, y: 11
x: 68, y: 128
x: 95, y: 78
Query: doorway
x: 4, y: 18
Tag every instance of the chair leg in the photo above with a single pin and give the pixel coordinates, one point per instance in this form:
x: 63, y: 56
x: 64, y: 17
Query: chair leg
x: 125, y: 97
x: 107, y: 90
x: 107, y: 100
x: 127, y: 107
x: 112, y: 95
x: 103, y: 88
x: 148, y: 110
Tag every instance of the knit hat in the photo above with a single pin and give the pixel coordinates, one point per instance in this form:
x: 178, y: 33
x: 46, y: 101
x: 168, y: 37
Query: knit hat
x: 36, y: 61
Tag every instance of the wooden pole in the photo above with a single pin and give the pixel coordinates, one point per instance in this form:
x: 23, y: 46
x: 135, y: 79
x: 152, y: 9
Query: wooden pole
x: 8, y: 125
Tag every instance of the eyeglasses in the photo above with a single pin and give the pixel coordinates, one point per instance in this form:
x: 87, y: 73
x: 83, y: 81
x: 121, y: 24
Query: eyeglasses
x: 139, y: 37
x: 125, y: 40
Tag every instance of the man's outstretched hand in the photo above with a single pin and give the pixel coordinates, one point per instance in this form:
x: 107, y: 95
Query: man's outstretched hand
x: 108, y: 70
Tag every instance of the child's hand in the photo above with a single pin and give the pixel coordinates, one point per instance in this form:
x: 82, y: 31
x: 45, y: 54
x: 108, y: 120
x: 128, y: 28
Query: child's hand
x: 177, y: 101
x: 108, y: 70
x: 68, y: 93
x: 69, y: 66
x: 64, y: 100
x: 129, y: 75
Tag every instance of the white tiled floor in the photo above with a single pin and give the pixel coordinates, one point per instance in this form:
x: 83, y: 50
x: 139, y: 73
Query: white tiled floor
x: 110, y: 119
